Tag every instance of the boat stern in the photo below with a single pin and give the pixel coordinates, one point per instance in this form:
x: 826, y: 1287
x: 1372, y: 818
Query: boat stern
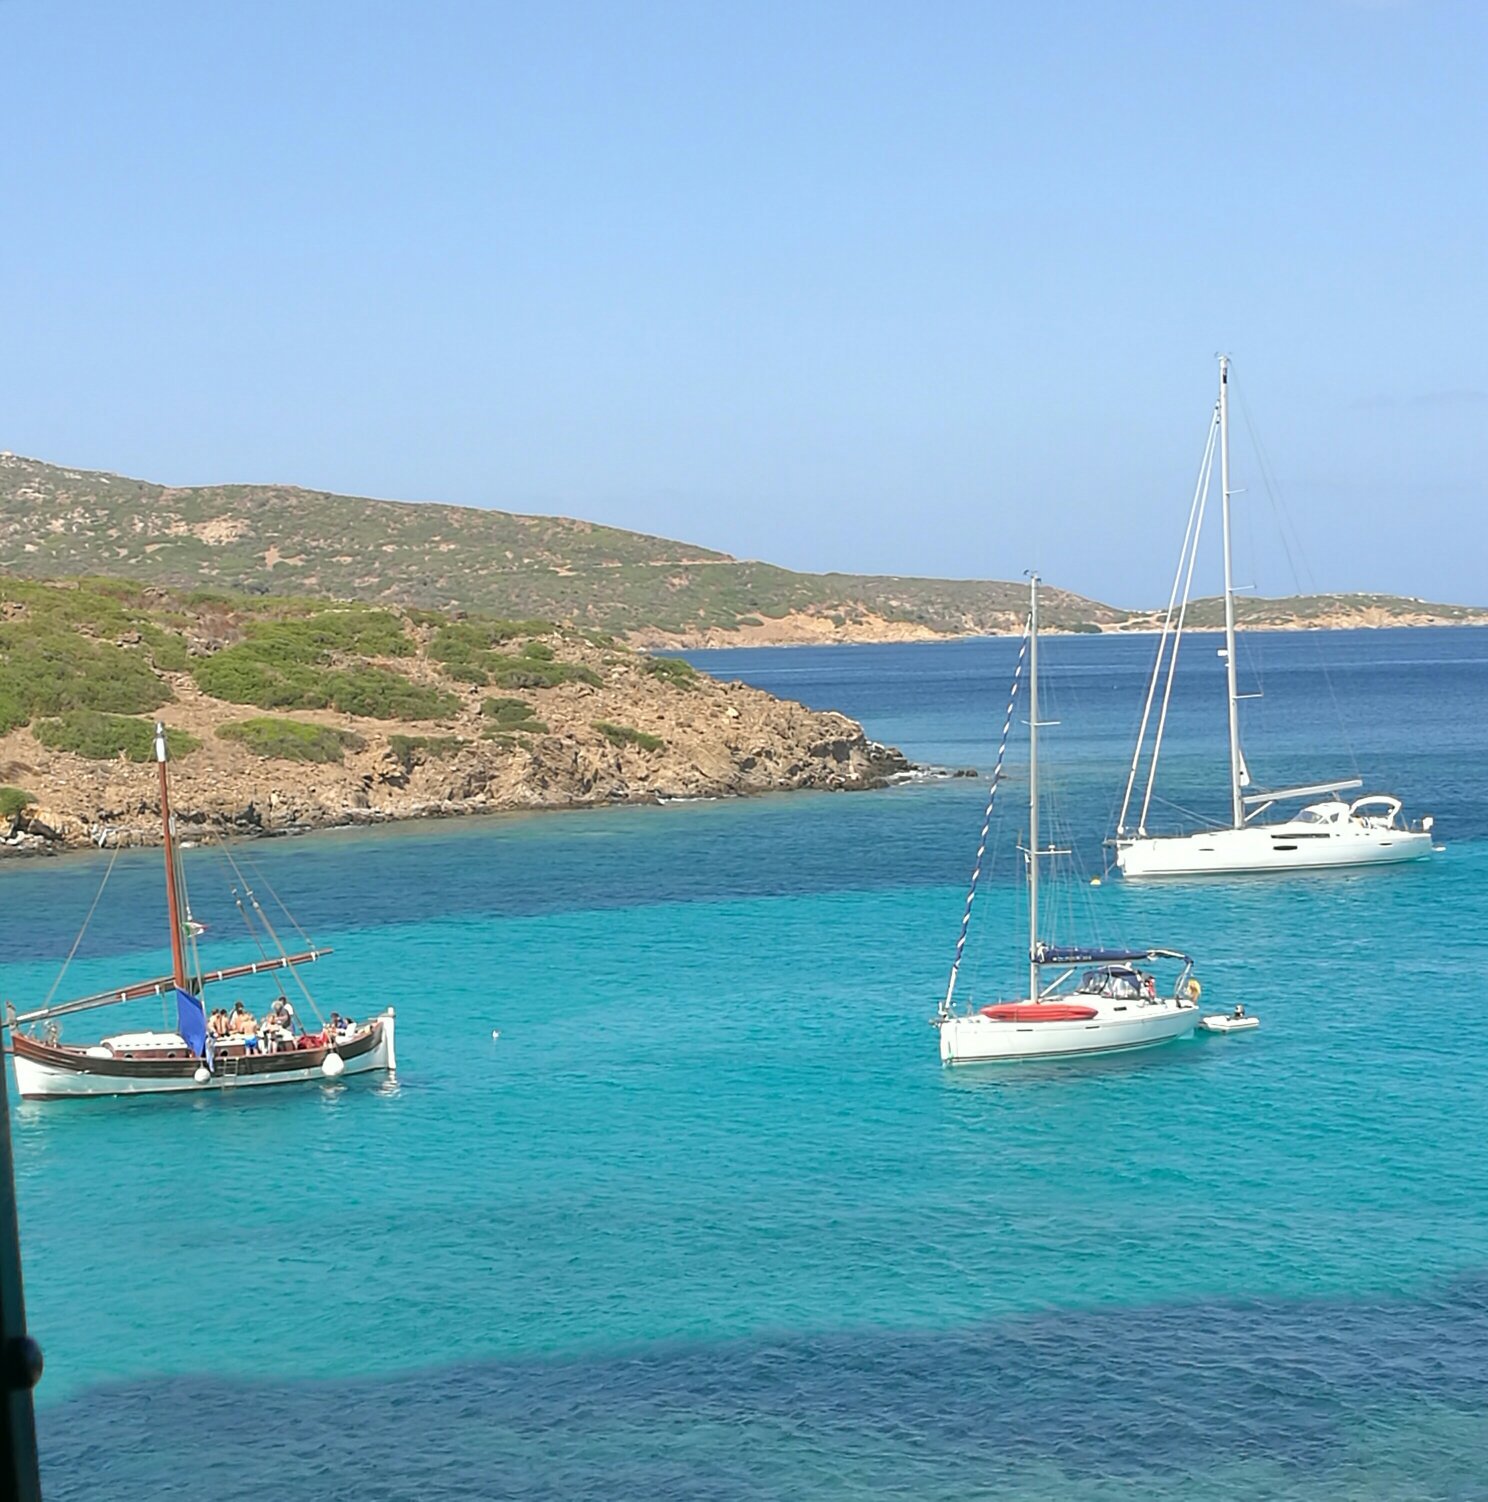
x: 389, y: 1050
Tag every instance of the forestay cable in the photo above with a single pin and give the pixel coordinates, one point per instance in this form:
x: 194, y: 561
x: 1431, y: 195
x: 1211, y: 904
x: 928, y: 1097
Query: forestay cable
x: 976, y: 874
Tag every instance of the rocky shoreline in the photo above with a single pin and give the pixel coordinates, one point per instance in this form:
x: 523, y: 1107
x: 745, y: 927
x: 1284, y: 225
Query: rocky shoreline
x: 701, y: 740
x: 819, y: 632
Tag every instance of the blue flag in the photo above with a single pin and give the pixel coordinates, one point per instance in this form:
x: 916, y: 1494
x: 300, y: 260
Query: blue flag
x: 191, y: 1021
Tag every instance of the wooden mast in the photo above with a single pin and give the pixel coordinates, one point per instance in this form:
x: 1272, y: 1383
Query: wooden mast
x: 172, y: 877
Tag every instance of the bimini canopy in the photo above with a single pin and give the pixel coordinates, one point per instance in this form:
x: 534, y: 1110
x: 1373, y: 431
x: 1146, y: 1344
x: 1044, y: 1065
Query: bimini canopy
x: 1054, y: 954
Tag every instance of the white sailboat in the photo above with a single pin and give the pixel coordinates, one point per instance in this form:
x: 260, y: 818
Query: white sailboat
x: 1330, y: 832
x: 1113, y: 1007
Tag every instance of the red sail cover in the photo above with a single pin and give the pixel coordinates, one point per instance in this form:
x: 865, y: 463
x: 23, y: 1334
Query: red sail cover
x: 1038, y: 1011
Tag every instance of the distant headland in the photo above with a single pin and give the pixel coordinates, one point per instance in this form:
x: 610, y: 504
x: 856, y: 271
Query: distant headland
x: 648, y: 591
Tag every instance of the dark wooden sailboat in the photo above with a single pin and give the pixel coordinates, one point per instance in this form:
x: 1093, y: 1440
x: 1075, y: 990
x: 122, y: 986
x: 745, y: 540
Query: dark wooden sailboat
x: 190, y: 1058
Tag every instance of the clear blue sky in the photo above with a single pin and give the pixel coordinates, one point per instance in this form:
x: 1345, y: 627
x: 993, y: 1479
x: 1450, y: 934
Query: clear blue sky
x: 896, y: 288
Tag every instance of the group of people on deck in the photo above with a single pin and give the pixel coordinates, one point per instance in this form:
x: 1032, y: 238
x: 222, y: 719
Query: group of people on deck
x: 278, y: 1030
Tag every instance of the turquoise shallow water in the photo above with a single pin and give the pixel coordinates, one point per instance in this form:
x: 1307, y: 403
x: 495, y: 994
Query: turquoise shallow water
x: 708, y: 1219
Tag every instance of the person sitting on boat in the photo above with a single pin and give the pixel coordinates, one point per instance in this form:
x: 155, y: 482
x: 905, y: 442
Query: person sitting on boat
x: 218, y: 1025
x: 1149, y: 986
x: 1239, y: 1011
x: 278, y: 1029
x: 242, y: 1022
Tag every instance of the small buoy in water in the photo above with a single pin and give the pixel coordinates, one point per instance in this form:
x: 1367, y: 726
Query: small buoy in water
x: 494, y: 1033
x: 333, y: 1066
x: 1095, y: 881
x: 202, y: 1075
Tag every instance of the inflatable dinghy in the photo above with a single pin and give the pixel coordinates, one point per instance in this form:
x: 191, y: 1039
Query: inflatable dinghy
x: 1226, y: 1022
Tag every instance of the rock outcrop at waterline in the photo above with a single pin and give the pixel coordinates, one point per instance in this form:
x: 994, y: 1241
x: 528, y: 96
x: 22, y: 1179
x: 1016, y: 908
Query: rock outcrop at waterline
x: 629, y: 737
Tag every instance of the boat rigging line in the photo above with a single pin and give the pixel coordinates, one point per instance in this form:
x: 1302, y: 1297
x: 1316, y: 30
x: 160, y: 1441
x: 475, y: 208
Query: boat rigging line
x: 290, y: 918
x: 976, y: 874
x: 263, y: 918
x: 77, y: 942
x: 1283, y: 528
x: 1187, y: 555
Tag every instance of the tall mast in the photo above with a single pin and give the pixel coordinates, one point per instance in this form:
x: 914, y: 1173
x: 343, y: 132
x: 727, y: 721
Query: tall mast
x: 172, y: 877
x: 1033, y: 794
x: 1237, y: 763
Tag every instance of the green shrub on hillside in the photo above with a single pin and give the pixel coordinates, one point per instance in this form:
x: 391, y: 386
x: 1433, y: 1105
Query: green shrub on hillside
x: 524, y: 672
x: 355, y: 631
x: 627, y: 735
x: 405, y: 748
x: 288, y: 665
x: 102, y: 737
x: 506, y: 711
x: 484, y: 632
x: 46, y: 670
x: 467, y: 650
x: 108, y: 612
x: 674, y: 670
x: 103, y: 606
x: 240, y: 676
x: 13, y: 800
x: 378, y: 693
x: 282, y: 664
x: 513, y: 714
x: 284, y: 739
x: 462, y: 646
x: 12, y: 713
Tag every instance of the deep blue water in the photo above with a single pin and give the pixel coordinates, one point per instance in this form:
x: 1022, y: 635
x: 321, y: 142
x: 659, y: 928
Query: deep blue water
x: 709, y: 1220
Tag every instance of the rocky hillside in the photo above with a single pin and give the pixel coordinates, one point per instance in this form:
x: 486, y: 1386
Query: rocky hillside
x: 289, y: 714
x: 284, y: 540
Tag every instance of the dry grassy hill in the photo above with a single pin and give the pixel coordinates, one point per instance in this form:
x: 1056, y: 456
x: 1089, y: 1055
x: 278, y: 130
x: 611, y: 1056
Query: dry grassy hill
x: 284, y: 540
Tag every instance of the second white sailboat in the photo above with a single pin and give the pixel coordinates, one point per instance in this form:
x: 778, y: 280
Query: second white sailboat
x: 1330, y: 832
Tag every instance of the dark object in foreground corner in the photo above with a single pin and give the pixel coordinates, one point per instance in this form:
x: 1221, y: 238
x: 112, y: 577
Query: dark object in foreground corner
x: 20, y: 1356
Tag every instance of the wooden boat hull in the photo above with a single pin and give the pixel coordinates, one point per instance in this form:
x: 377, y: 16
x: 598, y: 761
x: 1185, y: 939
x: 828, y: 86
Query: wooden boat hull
x: 51, y: 1072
